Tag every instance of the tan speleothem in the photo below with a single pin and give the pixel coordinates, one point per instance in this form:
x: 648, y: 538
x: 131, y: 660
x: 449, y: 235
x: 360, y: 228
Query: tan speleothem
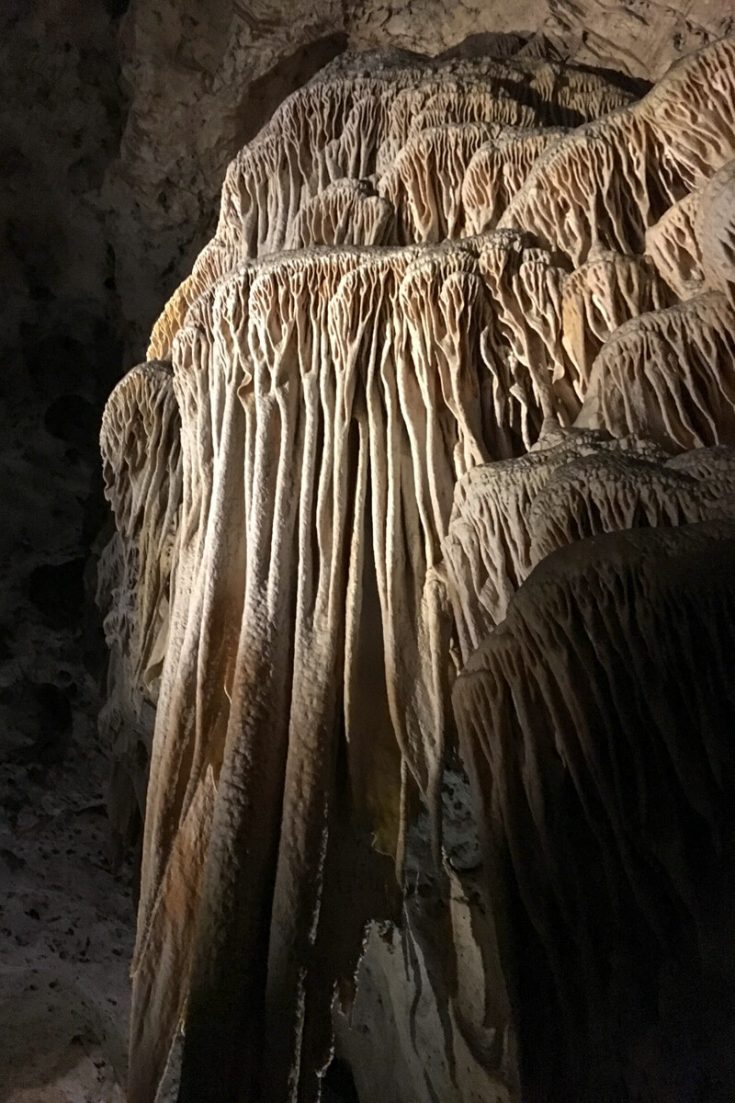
x: 457, y: 316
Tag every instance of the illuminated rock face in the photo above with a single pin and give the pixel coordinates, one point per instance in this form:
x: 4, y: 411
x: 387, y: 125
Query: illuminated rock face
x: 459, y: 321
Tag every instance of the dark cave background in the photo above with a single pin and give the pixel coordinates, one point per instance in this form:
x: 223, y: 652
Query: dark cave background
x: 66, y: 919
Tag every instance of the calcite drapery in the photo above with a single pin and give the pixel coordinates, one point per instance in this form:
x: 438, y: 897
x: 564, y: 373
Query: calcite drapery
x: 376, y: 449
x: 140, y: 441
x: 607, y: 777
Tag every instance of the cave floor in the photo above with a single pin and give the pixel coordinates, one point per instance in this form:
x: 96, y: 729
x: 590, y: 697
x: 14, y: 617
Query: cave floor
x: 67, y: 929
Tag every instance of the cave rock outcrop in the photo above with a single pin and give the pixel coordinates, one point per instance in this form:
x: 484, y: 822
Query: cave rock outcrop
x: 454, y: 375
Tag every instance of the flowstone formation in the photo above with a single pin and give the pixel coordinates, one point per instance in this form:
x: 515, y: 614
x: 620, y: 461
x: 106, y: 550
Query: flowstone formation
x: 439, y: 792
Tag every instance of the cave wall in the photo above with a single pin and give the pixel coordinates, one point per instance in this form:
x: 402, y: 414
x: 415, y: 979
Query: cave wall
x: 117, y: 121
x: 64, y: 918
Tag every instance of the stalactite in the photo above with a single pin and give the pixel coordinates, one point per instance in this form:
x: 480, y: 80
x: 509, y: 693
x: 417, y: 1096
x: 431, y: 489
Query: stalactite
x: 461, y: 322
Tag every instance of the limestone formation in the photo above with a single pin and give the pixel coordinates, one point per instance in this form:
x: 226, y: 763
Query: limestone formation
x: 673, y: 246
x: 603, y: 777
x: 462, y: 322
x: 141, y: 466
x: 669, y: 373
